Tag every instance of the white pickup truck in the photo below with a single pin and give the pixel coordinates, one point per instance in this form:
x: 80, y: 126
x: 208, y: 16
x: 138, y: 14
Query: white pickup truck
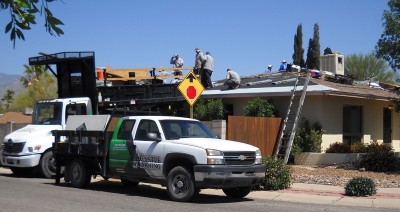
x: 179, y: 153
x: 28, y: 149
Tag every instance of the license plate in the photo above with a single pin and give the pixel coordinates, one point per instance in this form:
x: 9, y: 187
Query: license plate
x: 10, y: 161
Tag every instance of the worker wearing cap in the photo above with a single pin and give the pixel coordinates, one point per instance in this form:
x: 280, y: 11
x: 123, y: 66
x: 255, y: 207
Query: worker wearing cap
x: 283, y: 66
x: 199, y: 62
x: 177, y: 62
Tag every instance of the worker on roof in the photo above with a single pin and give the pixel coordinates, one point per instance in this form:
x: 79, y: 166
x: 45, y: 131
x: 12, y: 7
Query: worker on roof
x: 207, y: 70
x: 269, y: 67
x: 177, y: 62
x: 232, y: 79
x: 283, y: 66
x: 199, y: 62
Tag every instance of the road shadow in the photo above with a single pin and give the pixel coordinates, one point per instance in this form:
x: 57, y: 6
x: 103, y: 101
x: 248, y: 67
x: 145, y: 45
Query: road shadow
x: 148, y: 191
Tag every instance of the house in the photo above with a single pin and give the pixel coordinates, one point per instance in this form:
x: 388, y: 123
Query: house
x: 348, y: 111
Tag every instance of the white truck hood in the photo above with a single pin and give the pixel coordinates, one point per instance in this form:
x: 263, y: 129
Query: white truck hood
x: 217, y: 144
x: 31, y: 132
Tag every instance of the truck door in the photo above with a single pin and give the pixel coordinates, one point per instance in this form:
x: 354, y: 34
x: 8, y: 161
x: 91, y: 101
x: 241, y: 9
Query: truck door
x: 149, y: 153
x: 122, y: 149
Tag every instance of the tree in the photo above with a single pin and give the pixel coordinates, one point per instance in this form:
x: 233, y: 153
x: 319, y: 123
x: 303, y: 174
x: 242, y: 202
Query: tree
x: 314, y: 50
x: 8, y: 98
x: 39, y: 85
x: 362, y: 67
x: 32, y: 74
x: 23, y: 14
x: 298, y: 55
x: 388, y: 46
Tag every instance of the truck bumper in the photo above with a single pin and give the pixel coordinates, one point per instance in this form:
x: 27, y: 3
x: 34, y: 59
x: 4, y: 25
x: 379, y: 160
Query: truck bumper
x: 221, y: 176
x: 21, y: 161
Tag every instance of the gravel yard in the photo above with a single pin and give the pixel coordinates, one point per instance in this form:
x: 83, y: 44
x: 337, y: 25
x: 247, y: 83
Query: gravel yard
x: 340, y: 175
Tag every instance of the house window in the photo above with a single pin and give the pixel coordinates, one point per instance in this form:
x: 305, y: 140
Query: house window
x: 352, y: 124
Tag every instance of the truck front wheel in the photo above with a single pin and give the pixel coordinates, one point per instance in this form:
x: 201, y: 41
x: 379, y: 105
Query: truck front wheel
x: 239, y: 192
x: 47, y: 165
x: 180, y: 184
x: 79, y: 174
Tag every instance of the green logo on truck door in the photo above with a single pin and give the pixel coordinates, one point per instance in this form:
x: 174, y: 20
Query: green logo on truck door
x: 122, y: 149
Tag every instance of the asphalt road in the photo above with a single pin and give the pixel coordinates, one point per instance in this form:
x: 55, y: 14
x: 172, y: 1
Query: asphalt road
x: 36, y: 194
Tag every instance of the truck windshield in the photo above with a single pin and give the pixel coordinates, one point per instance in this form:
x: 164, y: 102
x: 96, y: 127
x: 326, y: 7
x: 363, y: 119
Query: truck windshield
x: 47, y: 113
x: 175, y: 129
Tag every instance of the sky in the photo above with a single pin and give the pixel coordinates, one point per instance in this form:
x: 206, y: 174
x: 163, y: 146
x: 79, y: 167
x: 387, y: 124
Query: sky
x: 244, y: 35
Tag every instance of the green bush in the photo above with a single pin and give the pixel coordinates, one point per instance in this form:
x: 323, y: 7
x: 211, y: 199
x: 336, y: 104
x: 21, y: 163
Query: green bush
x: 360, y: 186
x: 277, y: 175
x: 207, y: 110
x: 338, y: 147
x: 379, y: 158
x: 308, y: 137
x: 258, y: 107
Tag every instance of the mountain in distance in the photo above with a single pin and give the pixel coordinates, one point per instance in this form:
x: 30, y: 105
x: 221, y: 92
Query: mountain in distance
x: 10, y: 82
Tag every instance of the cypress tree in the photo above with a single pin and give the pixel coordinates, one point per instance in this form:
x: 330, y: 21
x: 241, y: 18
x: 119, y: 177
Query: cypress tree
x: 316, y: 46
x: 314, y: 50
x: 298, y: 55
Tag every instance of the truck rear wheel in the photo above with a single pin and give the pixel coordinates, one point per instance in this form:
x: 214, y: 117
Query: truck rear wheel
x: 47, y: 165
x: 79, y: 174
x: 239, y: 192
x: 180, y: 184
x: 22, y: 172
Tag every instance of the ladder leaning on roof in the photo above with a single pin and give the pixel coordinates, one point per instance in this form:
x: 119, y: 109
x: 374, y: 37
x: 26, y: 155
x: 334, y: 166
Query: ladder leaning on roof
x: 289, y: 127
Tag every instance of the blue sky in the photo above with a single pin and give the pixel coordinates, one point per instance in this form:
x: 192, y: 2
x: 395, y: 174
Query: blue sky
x: 245, y: 35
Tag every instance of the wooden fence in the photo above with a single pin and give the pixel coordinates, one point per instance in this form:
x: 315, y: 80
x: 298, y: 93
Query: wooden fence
x: 258, y: 131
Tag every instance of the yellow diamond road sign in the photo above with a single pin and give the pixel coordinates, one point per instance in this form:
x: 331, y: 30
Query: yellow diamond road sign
x: 191, y: 88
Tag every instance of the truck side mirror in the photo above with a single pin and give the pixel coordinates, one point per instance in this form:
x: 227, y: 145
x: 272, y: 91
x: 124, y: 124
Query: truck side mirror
x: 153, y: 137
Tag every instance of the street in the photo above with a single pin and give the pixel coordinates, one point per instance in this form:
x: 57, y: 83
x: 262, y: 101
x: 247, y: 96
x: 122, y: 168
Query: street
x: 36, y: 194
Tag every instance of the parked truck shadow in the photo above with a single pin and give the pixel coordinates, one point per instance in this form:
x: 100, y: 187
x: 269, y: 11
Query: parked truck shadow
x: 154, y: 192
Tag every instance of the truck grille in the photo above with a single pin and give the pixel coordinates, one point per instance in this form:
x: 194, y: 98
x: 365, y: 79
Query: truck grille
x: 10, y: 147
x: 239, y: 158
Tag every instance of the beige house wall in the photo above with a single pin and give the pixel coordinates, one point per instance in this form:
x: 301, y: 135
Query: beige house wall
x: 328, y: 110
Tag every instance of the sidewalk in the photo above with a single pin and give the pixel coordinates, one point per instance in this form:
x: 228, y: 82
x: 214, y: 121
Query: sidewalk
x: 323, y: 194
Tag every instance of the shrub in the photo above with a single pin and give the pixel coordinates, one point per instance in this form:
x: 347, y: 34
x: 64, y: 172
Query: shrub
x: 360, y: 186
x: 308, y: 137
x: 277, y: 174
x: 358, y: 147
x: 379, y: 158
x: 207, y: 110
x: 258, y: 107
x: 338, y: 147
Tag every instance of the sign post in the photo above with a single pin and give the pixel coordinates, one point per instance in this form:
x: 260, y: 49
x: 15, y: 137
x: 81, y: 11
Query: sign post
x: 191, y: 89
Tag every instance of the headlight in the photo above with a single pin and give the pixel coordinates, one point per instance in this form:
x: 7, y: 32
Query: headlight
x: 35, y: 148
x: 258, y: 157
x: 213, y: 152
x: 215, y: 157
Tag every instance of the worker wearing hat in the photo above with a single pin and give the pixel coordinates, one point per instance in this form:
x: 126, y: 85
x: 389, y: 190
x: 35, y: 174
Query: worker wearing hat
x: 177, y: 62
x: 198, y: 64
x: 269, y: 67
x: 283, y: 66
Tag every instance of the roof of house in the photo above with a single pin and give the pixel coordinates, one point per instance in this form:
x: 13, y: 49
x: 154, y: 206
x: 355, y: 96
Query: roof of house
x: 15, y: 117
x: 281, y: 84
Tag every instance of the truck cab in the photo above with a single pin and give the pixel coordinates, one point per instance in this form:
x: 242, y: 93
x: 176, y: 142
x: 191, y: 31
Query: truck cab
x: 28, y: 149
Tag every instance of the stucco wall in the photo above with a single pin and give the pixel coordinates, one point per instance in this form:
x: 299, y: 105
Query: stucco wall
x: 328, y: 110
